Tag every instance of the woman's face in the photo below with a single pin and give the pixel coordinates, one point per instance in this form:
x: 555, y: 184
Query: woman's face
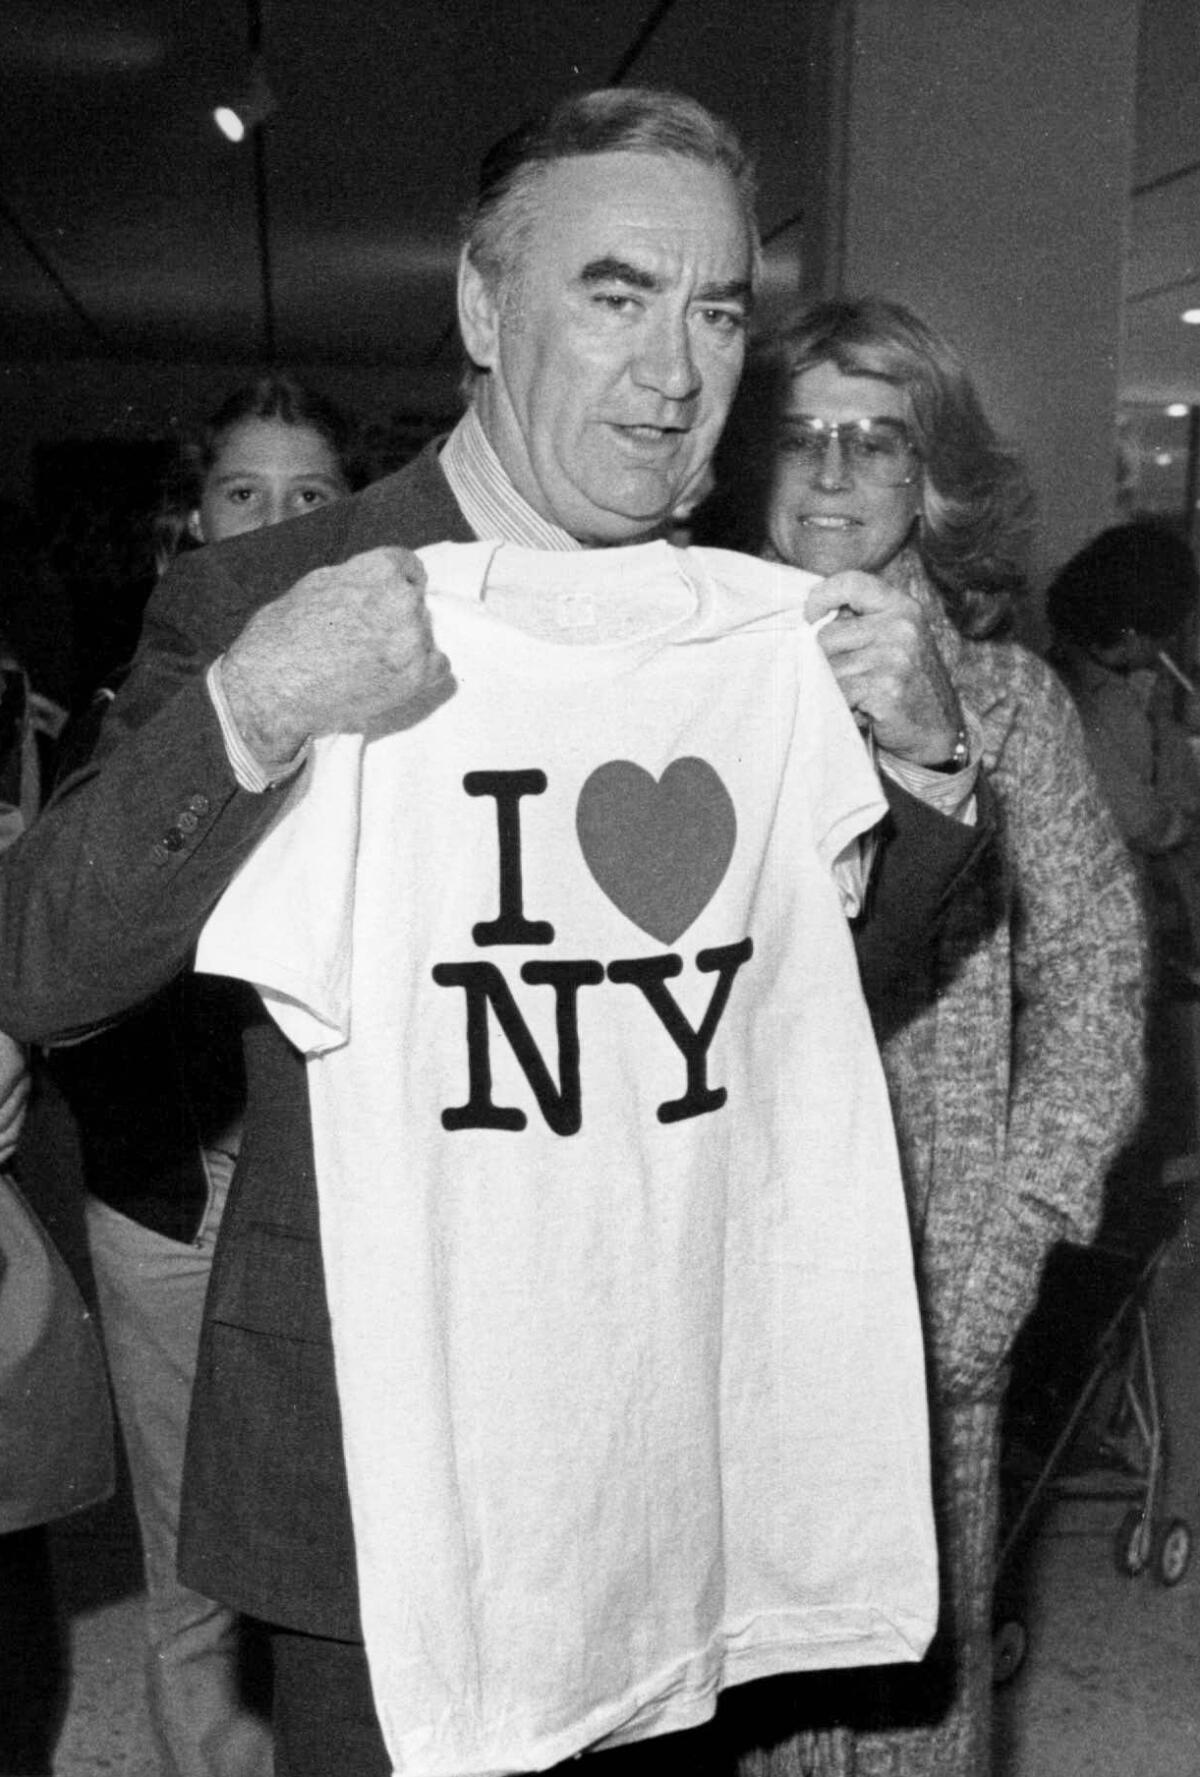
x: 265, y: 471
x: 825, y: 515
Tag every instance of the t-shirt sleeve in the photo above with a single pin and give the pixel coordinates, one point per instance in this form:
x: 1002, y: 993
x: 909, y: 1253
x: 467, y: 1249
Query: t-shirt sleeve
x: 285, y: 922
x: 841, y: 786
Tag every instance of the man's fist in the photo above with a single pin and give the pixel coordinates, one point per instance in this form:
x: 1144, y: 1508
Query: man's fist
x: 345, y: 645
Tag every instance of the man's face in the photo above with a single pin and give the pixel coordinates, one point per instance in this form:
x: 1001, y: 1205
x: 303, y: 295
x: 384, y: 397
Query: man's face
x: 615, y: 357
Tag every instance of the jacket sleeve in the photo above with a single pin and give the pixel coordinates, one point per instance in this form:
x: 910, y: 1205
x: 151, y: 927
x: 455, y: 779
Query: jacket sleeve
x: 102, y: 900
x: 1079, y: 980
x: 1079, y: 957
x: 922, y: 859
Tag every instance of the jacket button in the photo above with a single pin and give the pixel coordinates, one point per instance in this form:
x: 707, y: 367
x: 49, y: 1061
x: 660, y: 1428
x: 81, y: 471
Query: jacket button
x: 173, y: 839
x: 159, y: 853
x: 188, y: 822
x: 199, y: 804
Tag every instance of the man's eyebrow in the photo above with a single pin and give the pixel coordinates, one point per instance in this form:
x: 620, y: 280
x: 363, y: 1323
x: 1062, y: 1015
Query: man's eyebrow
x: 611, y: 270
x: 735, y: 290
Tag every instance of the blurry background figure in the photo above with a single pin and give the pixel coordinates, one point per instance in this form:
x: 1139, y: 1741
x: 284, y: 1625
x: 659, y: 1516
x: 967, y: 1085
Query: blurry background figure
x: 56, y: 1448
x: 158, y: 1103
x: 30, y: 726
x: 56, y: 1441
x: 1123, y: 611
x: 1120, y: 610
x: 37, y: 620
x: 859, y: 448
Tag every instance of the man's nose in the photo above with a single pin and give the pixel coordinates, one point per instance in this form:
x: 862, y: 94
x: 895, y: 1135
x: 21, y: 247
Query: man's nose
x: 830, y: 468
x: 665, y: 361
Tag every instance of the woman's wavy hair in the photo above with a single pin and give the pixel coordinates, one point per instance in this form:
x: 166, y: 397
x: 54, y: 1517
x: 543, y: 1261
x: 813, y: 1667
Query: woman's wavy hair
x: 977, y: 506
x: 271, y: 397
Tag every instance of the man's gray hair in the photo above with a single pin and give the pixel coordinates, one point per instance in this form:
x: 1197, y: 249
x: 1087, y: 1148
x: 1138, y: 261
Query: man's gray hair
x: 612, y: 120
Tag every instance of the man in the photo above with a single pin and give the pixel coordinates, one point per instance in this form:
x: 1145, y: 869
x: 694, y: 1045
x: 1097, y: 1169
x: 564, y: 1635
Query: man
x: 604, y: 293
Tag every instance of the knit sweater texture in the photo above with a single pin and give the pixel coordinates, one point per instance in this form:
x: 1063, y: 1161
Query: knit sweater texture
x: 1015, y: 1070
x: 1016, y: 1079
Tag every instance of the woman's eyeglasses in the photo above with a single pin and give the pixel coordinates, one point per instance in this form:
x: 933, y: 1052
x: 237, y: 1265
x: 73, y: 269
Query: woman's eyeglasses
x: 879, y: 451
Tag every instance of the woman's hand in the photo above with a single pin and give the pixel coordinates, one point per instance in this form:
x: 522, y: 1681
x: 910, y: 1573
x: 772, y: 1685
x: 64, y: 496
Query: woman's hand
x: 885, y: 659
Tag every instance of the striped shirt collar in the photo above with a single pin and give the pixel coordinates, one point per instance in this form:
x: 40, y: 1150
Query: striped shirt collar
x: 487, y: 498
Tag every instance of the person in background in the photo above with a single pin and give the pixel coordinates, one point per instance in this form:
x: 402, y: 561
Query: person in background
x: 35, y: 1346
x: 1121, y: 611
x: 274, y: 449
x: 37, y: 619
x: 1117, y: 609
x: 605, y: 287
x: 56, y: 1441
x: 862, y: 453
x: 158, y: 1102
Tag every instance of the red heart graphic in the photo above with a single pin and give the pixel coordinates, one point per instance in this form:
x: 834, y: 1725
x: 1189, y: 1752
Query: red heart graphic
x: 658, y: 849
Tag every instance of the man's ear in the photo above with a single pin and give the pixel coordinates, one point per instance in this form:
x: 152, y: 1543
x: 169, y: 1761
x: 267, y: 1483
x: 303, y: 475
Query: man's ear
x: 478, y: 314
x: 193, y: 525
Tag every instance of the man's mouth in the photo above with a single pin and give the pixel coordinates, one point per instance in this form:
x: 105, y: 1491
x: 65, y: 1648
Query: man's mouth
x: 826, y: 521
x: 653, y: 434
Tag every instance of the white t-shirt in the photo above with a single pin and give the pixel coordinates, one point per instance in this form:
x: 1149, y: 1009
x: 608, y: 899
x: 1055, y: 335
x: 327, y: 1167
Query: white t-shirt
x: 614, y: 1239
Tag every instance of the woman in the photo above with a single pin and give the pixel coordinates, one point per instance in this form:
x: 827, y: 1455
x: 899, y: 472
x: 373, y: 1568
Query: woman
x: 158, y: 1102
x: 1014, y: 1068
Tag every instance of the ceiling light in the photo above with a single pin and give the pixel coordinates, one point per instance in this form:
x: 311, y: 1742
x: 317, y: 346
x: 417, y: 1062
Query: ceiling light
x: 245, y: 111
x: 1191, y: 316
x: 1177, y: 410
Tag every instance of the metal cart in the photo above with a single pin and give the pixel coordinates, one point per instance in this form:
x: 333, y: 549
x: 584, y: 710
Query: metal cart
x: 1084, y: 1418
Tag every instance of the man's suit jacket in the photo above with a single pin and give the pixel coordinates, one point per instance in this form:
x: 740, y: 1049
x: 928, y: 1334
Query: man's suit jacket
x: 101, y: 905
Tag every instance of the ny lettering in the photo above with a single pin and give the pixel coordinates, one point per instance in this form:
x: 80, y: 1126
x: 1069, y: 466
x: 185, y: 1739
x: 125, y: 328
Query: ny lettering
x: 487, y: 995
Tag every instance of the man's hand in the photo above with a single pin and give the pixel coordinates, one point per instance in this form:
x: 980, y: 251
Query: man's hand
x: 346, y: 644
x: 14, y: 1095
x: 886, y: 661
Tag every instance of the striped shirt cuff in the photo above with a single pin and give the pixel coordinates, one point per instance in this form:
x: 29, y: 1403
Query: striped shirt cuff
x: 249, y: 770
x: 951, y: 794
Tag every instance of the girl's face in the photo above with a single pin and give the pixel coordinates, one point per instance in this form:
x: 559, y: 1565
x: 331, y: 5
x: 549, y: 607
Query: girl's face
x: 265, y: 471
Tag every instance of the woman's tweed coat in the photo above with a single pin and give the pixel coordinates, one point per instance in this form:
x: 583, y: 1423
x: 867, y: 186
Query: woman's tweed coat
x: 1015, y: 1086
x: 1015, y: 1075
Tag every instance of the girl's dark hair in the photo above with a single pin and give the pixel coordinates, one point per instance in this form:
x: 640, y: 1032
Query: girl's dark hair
x: 271, y: 397
x: 1140, y: 576
x: 977, y: 506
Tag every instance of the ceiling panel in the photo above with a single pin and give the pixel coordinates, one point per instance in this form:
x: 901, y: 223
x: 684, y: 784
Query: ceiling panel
x: 129, y: 225
x: 118, y: 187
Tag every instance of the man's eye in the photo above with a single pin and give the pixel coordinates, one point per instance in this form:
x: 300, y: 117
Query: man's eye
x: 619, y: 301
x: 728, y: 321
x: 313, y: 496
x: 239, y: 496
